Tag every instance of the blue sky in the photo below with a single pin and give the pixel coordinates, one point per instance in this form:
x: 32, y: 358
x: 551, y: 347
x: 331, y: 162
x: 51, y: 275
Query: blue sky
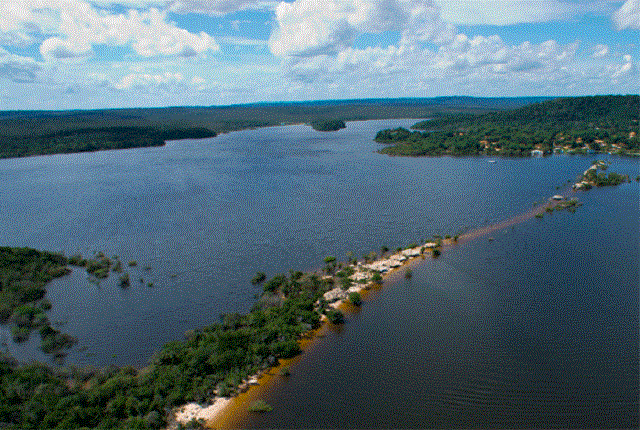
x: 82, y: 54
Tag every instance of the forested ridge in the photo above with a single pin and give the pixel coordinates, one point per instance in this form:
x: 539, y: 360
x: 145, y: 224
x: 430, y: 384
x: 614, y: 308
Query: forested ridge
x: 576, y: 124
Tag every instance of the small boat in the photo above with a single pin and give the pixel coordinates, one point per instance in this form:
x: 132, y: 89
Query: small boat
x: 492, y: 161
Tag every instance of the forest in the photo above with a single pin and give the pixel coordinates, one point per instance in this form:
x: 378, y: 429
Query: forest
x: 26, y: 133
x: 328, y: 125
x: 210, y: 361
x: 570, y: 125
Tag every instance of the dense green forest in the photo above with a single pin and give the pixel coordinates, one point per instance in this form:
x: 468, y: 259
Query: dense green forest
x: 24, y: 273
x: 94, y: 139
x: 572, y: 125
x: 24, y: 133
x: 328, y: 125
x: 213, y: 360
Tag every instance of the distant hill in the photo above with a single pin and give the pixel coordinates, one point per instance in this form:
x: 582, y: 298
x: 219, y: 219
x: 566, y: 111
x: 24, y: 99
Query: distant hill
x: 24, y: 133
x: 576, y: 124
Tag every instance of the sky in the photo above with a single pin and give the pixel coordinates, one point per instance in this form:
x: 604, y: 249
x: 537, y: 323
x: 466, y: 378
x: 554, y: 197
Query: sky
x: 82, y: 54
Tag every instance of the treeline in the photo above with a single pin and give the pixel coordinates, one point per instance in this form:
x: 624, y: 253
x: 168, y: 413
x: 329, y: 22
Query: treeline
x: 578, y: 125
x: 328, y: 125
x: 94, y: 139
x: 24, y: 133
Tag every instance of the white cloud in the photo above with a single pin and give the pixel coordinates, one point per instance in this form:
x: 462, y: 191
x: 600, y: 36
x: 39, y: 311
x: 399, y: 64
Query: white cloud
x: 218, y: 7
x: 313, y: 27
x: 231, y: 40
x: 620, y: 70
x: 197, y: 80
x: 600, y: 51
x: 146, y: 80
x: 509, y: 12
x: 17, y: 68
x: 466, y: 65
x: 70, y: 29
x: 55, y: 47
x: 628, y: 16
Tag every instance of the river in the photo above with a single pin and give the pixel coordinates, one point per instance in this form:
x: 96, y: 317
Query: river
x: 542, y: 318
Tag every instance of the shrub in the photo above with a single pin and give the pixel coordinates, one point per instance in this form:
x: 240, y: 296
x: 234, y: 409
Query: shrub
x: 124, y: 280
x: 224, y: 390
x: 20, y: 334
x: 117, y: 267
x: 286, y: 349
x: 355, y: 299
x: 75, y: 260
x: 329, y: 259
x: 260, y: 406
x: 335, y: 316
x: 45, y: 304
x: 435, y: 252
x: 376, y: 278
x: 133, y: 263
x: 346, y: 283
x: 408, y: 274
x: 259, y: 277
x: 285, y: 371
x: 275, y: 283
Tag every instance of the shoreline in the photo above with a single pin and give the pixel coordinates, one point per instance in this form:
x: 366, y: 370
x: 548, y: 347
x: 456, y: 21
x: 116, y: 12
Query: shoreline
x: 218, y: 413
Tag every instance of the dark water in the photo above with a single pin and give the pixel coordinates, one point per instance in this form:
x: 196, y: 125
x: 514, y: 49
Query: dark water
x: 545, y: 316
x: 537, y: 328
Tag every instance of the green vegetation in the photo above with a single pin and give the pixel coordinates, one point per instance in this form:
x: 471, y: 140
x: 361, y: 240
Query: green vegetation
x: 328, y: 125
x: 24, y: 273
x: 591, y: 177
x: 285, y: 371
x: 376, y: 278
x: 215, y: 359
x: 335, y: 316
x: 24, y: 133
x: 355, y: 299
x: 99, y: 267
x: 259, y: 406
x: 86, y: 139
x: 258, y: 278
x: 572, y: 125
x: 124, y: 280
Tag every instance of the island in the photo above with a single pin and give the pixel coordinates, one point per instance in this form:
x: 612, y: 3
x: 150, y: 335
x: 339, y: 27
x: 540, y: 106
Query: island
x: 576, y: 125
x: 328, y: 125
